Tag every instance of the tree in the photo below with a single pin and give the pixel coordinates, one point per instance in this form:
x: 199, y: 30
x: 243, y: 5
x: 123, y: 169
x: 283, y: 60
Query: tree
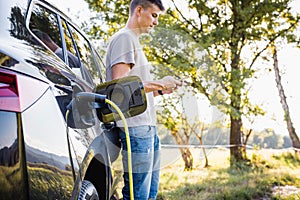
x: 267, y: 138
x: 109, y: 17
x: 200, y: 138
x: 226, y: 29
x: 172, y: 118
x: 292, y: 132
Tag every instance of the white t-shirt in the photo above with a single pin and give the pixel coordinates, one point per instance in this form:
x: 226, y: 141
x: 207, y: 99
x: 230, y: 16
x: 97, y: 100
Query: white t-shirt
x: 124, y: 47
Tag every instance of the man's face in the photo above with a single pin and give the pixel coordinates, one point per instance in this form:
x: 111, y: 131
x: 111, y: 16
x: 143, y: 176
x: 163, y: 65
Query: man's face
x: 148, y: 18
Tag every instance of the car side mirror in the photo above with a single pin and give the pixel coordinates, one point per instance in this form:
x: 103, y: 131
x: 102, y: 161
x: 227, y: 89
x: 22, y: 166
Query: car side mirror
x: 127, y: 93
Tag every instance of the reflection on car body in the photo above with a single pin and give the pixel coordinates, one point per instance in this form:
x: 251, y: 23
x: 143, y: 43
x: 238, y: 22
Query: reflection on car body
x: 38, y: 160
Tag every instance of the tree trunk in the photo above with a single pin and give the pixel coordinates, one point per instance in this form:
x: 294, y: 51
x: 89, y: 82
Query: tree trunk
x: 185, y: 152
x: 246, y: 136
x: 235, y: 140
x: 199, y: 136
x: 187, y: 158
x: 292, y: 132
x: 235, y: 103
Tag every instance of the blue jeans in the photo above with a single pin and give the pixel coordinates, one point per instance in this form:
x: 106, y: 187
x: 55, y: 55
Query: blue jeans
x: 145, y: 154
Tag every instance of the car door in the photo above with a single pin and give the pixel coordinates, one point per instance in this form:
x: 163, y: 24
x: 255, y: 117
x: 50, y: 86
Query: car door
x: 86, y: 144
x: 52, y: 31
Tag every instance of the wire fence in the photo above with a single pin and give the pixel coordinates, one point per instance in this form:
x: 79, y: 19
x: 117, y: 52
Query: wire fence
x: 197, y: 146
x: 171, y: 146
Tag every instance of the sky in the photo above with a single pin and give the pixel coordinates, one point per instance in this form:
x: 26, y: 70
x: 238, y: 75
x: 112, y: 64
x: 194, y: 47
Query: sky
x: 263, y: 90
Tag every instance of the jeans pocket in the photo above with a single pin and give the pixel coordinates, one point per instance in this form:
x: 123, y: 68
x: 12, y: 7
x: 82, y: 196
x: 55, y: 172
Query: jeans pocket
x: 141, y: 132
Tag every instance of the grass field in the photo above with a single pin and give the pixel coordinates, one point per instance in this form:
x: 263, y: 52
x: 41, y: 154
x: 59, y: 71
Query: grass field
x: 271, y: 174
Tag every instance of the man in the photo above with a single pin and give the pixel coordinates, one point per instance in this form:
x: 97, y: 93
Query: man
x: 125, y: 58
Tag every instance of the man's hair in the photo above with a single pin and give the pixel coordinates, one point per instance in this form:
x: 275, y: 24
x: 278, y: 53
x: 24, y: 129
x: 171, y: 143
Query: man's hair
x: 146, y: 4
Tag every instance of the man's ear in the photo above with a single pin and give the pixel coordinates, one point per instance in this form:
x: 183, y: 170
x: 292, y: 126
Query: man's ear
x: 139, y: 10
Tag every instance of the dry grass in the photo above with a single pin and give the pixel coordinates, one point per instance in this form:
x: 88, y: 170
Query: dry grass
x: 272, y: 174
x: 268, y: 170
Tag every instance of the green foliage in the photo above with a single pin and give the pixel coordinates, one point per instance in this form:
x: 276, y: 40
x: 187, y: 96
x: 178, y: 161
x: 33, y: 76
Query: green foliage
x: 111, y: 16
x: 289, y: 159
x: 207, y: 43
x: 220, y: 28
x: 269, y: 139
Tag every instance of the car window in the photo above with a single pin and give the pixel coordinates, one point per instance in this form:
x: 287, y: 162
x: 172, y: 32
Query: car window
x: 72, y: 47
x: 44, y: 24
x: 101, y: 65
x: 86, y: 55
x: 74, y: 60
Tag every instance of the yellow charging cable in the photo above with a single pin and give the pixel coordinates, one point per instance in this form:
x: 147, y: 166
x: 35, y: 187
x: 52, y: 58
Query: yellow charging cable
x: 127, y: 143
x: 128, y: 146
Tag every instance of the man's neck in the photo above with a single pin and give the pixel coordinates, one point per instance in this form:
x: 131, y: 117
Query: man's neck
x: 132, y: 26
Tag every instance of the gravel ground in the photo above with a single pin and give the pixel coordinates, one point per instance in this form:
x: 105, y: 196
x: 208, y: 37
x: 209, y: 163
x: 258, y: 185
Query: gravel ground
x: 287, y: 190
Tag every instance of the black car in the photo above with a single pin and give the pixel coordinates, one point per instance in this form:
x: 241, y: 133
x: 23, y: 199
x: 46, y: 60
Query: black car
x: 45, y: 60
